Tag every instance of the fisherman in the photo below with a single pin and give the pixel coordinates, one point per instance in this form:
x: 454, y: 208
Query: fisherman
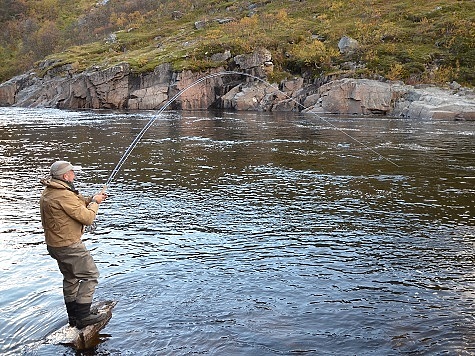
x: 64, y: 215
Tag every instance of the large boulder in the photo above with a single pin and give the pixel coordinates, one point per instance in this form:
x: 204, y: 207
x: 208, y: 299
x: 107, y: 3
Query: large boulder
x: 435, y: 103
x: 258, y: 63
x: 255, y: 96
x: 263, y: 96
x: 354, y: 96
x: 348, y: 45
x: 371, y: 97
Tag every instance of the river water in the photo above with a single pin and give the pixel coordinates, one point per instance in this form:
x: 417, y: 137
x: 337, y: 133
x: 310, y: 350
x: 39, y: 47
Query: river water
x: 249, y: 233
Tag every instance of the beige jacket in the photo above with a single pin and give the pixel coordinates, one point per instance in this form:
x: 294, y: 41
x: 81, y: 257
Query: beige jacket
x: 64, y: 213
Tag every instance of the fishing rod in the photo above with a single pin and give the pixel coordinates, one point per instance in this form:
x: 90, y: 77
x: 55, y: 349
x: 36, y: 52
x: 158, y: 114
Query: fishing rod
x: 134, y: 143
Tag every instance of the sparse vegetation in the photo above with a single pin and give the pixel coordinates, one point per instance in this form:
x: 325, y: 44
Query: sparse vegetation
x: 414, y: 41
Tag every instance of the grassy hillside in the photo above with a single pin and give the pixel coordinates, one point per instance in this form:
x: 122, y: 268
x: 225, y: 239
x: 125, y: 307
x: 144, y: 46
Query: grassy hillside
x: 416, y: 41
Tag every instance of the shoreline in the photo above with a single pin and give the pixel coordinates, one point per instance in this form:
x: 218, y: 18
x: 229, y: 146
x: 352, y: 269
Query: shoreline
x: 244, y: 88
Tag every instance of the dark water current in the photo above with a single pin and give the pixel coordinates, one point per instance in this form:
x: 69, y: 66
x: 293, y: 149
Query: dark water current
x: 249, y: 233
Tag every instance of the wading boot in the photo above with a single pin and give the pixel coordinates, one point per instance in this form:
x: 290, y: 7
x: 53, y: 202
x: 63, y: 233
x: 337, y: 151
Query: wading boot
x: 85, y: 316
x: 71, y: 309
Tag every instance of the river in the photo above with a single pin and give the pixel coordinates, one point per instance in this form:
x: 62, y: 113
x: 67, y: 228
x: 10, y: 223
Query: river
x: 248, y: 233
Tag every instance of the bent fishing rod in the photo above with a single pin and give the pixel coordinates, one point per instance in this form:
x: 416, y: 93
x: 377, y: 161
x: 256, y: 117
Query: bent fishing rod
x: 139, y: 136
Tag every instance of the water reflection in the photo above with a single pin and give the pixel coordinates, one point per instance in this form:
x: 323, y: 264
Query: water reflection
x: 249, y: 233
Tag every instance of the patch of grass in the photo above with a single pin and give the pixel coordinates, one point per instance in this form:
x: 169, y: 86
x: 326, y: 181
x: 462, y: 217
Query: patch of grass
x: 418, y: 40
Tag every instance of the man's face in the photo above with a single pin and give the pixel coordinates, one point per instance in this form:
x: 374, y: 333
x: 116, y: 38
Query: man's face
x: 69, y: 176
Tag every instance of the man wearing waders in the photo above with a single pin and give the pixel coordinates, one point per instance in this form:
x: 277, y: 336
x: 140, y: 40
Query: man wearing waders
x: 64, y: 214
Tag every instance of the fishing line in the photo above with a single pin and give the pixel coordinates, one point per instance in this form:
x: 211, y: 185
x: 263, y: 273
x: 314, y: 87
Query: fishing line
x: 134, y: 143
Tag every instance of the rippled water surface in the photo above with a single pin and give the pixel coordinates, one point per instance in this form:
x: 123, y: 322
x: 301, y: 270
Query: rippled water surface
x: 249, y: 233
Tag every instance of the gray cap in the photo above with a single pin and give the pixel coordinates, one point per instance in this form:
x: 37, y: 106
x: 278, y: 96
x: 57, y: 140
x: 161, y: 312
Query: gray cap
x: 58, y: 168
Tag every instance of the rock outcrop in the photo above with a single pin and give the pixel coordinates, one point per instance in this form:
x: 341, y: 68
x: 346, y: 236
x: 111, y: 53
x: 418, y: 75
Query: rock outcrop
x: 349, y: 96
x: 369, y: 97
x: 240, y: 84
x: 435, y: 103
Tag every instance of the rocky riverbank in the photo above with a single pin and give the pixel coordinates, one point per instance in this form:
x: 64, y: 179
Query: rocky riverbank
x: 118, y: 87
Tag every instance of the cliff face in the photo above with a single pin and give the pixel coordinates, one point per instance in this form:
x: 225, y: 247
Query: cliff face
x: 118, y: 88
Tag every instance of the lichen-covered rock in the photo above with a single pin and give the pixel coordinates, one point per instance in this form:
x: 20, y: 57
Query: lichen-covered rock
x: 258, y: 63
x: 355, y: 96
x: 348, y: 45
x: 435, y: 103
x: 369, y: 97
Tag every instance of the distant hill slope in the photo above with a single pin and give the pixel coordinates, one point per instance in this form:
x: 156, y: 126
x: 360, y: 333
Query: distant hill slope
x: 416, y: 41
